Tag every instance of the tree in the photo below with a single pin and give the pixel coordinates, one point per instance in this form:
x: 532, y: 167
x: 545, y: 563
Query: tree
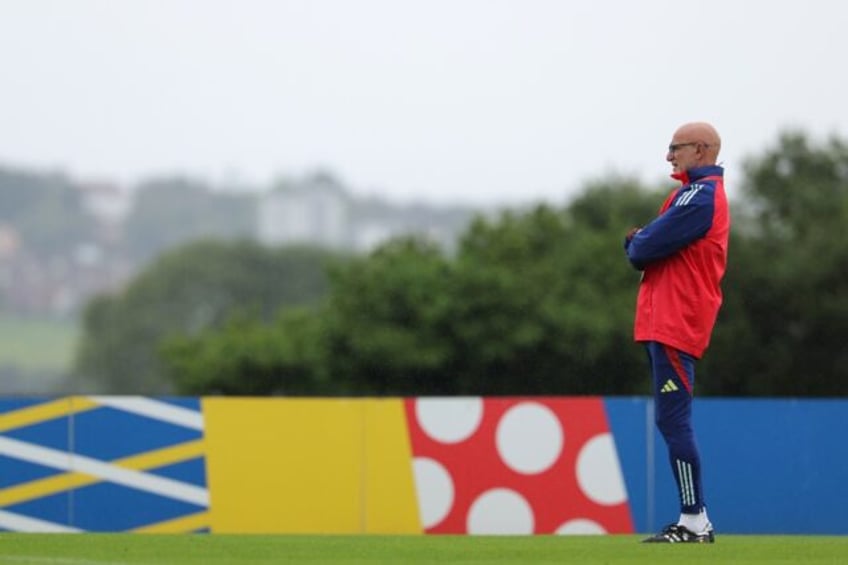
x: 548, y: 298
x: 782, y: 329
x: 185, y: 292
x: 535, y: 302
x: 172, y: 212
x: 249, y: 357
x: 46, y: 210
x: 388, y: 318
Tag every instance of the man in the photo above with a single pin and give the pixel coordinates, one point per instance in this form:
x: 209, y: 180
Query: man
x: 682, y: 254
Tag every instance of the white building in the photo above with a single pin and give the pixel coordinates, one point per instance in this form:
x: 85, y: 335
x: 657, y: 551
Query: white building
x: 319, y: 211
x: 314, y: 212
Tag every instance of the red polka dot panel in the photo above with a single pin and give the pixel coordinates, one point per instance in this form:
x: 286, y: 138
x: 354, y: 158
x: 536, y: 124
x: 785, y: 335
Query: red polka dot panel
x: 516, y: 466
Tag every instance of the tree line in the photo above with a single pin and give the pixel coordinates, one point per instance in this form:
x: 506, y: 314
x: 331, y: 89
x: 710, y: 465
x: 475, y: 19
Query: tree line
x: 535, y: 301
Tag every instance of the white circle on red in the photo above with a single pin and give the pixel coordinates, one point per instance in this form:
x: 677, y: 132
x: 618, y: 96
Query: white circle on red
x: 500, y: 511
x: 580, y: 527
x: 449, y: 420
x: 529, y: 438
x: 434, y: 490
x: 599, y: 472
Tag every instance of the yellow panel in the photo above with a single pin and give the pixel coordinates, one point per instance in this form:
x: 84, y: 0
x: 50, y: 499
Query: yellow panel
x: 284, y: 465
x: 390, y: 491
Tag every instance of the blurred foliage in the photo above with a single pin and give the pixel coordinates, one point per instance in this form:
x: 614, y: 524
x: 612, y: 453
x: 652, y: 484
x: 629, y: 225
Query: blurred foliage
x: 532, y: 303
x: 187, y: 291
x: 170, y: 212
x: 387, y: 320
x: 536, y: 301
x: 46, y: 210
x: 247, y: 356
x: 782, y: 329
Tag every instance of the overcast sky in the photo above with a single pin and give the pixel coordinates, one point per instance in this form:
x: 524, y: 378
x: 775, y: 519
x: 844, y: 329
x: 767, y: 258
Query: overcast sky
x: 472, y: 101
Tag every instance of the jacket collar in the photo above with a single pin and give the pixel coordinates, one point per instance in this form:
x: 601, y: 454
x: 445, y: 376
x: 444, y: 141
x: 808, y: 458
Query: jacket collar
x: 698, y: 173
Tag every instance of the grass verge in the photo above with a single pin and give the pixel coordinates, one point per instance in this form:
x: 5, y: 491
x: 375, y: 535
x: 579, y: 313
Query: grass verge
x: 89, y: 549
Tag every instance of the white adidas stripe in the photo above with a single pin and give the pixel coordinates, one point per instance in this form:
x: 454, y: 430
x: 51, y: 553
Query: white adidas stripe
x: 689, y: 195
x: 687, y: 486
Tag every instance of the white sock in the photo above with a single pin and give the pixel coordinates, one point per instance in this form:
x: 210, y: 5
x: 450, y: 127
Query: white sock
x: 696, y: 523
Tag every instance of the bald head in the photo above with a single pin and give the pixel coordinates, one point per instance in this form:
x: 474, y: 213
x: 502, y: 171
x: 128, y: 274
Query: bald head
x: 695, y: 144
x: 703, y: 133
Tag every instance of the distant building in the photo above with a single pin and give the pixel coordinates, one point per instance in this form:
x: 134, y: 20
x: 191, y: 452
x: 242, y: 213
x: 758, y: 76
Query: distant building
x: 109, y: 204
x: 105, y: 201
x: 369, y: 234
x: 319, y: 211
x: 314, y: 212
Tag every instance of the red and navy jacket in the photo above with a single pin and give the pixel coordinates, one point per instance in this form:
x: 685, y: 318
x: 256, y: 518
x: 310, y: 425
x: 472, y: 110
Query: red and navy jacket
x: 682, y: 254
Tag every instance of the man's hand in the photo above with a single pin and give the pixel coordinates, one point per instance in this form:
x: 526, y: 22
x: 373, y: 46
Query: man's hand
x: 631, y: 233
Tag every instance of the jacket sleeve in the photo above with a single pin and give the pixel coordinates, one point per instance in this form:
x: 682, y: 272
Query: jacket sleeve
x: 689, y: 218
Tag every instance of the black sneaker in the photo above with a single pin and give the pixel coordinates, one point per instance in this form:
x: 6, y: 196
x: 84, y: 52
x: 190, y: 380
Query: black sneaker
x: 674, y: 533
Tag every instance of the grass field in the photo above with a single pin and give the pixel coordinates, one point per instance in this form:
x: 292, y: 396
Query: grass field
x: 37, y: 345
x: 89, y: 549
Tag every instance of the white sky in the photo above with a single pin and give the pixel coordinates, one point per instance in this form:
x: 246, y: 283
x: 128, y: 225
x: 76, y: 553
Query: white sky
x: 472, y: 101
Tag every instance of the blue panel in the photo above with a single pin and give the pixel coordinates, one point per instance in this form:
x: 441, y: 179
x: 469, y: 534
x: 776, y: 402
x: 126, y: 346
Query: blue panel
x: 14, y: 471
x: 627, y: 419
x: 12, y: 404
x: 108, y: 434
x: 55, y: 508
x: 107, y: 507
x: 192, y: 471
x: 776, y: 466
x: 104, y: 433
x: 54, y: 434
x: 769, y: 466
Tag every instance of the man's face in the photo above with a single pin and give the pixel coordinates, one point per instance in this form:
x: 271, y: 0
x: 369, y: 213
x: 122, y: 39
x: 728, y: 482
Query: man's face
x: 683, y: 153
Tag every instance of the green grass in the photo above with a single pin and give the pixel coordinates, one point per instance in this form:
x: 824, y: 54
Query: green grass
x: 37, y: 345
x: 88, y: 549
